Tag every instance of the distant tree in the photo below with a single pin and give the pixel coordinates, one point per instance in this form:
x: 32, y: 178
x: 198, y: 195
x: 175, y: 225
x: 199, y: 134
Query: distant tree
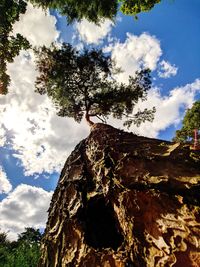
x: 81, y: 83
x: 24, y: 252
x: 4, y: 253
x: 27, y: 252
x: 30, y: 236
x: 10, y: 45
x: 190, y: 122
x: 3, y: 238
x: 96, y: 10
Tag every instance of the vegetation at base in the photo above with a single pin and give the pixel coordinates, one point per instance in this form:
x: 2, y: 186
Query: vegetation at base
x: 10, y: 45
x: 96, y: 10
x: 190, y: 122
x: 82, y: 83
x: 24, y: 252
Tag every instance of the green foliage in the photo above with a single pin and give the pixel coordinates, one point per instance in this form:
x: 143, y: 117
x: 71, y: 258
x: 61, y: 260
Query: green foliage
x: 96, y: 10
x: 24, y: 252
x: 191, y: 121
x: 82, y: 83
x: 134, y: 7
x: 10, y: 46
x: 92, y: 10
x: 4, y: 255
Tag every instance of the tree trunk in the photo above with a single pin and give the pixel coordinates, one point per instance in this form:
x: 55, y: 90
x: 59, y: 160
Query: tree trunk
x: 125, y: 200
x: 89, y: 122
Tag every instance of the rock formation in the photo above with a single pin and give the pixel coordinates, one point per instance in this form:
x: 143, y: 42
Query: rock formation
x: 124, y: 200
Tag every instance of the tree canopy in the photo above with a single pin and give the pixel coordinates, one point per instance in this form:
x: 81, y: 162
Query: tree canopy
x: 96, y: 10
x: 190, y: 122
x: 10, y: 45
x: 82, y: 83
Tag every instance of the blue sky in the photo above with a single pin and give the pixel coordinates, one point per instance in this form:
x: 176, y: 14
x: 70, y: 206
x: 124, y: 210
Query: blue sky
x: 34, y: 142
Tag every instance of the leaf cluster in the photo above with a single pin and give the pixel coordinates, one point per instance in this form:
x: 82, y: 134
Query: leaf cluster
x: 96, y: 10
x: 92, y: 10
x: 10, y: 45
x: 134, y: 7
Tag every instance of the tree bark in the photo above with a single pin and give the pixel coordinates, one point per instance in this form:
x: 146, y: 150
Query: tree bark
x: 125, y: 200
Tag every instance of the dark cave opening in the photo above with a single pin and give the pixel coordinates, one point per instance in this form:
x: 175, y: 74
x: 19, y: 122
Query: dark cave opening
x: 101, y: 225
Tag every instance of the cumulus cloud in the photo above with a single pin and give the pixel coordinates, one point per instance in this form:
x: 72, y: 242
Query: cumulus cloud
x: 168, y: 108
x: 26, y: 206
x: 2, y: 137
x: 166, y: 70
x: 136, y: 52
x: 5, y: 185
x: 91, y: 33
x: 37, y: 26
x: 40, y: 138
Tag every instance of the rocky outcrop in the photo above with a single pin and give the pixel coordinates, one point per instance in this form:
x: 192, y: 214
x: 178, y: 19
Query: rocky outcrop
x: 124, y: 200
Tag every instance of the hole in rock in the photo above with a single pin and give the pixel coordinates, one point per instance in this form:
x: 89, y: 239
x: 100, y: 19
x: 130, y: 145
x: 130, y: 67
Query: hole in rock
x: 100, y: 225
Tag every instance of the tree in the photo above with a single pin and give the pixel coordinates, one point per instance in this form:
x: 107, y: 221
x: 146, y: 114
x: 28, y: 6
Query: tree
x: 96, y: 10
x: 30, y: 236
x: 10, y: 45
x: 4, y: 244
x: 82, y: 84
x: 28, y: 250
x: 23, y: 252
x: 190, y: 122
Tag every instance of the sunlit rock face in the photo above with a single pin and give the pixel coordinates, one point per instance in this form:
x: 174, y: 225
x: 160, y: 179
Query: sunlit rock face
x: 125, y: 201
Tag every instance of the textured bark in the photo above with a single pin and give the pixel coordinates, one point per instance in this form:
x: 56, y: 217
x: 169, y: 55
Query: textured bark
x: 124, y: 200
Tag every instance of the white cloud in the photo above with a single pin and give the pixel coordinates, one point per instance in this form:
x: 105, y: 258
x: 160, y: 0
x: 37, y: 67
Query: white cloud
x: 26, y: 206
x: 92, y: 33
x: 166, y: 70
x: 41, y: 139
x: 136, y: 52
x: 2, y: 137
x: 5, y: 185
x: 37, y: 26
x: 169, y: 109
